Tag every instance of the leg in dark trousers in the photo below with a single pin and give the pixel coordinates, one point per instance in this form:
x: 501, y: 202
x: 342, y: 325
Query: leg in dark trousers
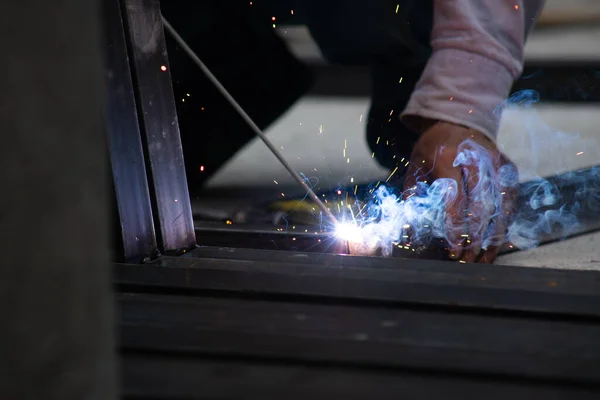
x: 237, y: 41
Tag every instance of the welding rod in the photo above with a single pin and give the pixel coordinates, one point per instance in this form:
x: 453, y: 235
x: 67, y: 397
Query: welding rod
x: 248, y: 120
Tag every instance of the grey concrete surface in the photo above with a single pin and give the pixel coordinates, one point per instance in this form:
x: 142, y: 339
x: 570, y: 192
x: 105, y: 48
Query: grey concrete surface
x: 582, y: 253
x: 324, y: 139
x: 56, y: 310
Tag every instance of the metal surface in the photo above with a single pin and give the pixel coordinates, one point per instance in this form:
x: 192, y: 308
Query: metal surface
x: 125, y: 144
x: 384, y: 280
x: 152, y: 375
x: 158, y: 117
x: 476, y: 344
x: 522, y: 329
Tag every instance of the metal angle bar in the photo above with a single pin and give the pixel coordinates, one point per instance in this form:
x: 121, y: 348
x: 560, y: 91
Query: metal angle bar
x: 151, y: 375
x: 401, y: 338
x: 498, y: 290
x: 156, y: 103
x: 130, y: 181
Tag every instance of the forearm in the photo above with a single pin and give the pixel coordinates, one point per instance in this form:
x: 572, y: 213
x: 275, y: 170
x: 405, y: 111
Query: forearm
x: 477, y: 54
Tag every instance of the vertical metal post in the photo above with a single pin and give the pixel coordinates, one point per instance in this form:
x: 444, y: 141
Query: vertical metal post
x: 158, y: 117
x: 130, y: 181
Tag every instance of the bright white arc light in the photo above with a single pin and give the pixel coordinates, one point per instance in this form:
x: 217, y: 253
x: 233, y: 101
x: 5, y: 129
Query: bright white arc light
x: 349, y: 232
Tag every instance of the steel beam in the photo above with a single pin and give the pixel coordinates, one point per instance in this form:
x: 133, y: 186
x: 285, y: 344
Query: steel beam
x: 130, y: 182
x: 158, y: 119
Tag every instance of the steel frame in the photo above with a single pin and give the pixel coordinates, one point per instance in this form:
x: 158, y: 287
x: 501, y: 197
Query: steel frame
x: 138, y: 238
x: 246, y: 323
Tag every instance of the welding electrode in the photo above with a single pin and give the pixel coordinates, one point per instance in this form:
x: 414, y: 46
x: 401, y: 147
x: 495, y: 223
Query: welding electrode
x: 248, y: 120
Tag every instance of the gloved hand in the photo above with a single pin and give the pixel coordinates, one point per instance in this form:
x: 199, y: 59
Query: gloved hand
x: 478, y: 216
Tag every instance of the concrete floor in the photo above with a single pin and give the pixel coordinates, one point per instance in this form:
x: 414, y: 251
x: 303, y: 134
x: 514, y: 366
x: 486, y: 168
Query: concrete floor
x: 324, y: 139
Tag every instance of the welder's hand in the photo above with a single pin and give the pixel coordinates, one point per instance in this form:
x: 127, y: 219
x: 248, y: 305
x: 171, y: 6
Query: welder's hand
x: 478, y: 215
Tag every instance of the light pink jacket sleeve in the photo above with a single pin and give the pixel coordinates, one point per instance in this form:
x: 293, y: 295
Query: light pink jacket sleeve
x: 477, y: 55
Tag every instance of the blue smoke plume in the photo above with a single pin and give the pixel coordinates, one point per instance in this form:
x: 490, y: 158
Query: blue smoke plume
x: 419, y: 215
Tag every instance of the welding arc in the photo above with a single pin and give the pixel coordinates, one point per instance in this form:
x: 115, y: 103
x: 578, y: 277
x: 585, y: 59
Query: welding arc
x: 248, y: 120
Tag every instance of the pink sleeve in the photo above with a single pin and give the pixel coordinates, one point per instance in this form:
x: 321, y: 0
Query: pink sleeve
x: 477, y: 55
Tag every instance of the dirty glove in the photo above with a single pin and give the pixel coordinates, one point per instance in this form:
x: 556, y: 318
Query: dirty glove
x: 478, y: 213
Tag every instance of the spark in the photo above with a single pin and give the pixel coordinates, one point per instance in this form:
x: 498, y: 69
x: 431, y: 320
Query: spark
x: 397, y: 8
x: 277, y: 183
x: 580, y: 153
x: 516, y: 6
x: 202, y: 168
x: 320, y: 128
x: 392, y: 174
x: 400, y: 81
x: 163, y: 68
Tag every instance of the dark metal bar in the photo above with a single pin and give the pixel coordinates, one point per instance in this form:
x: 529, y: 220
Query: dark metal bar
x: 156, y: 105
x: 343, y: 260
x: 577, y: 192
x: 474, y: 344
x: 166, y: 376
x: 426, y: 283
x: 125, y: 144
